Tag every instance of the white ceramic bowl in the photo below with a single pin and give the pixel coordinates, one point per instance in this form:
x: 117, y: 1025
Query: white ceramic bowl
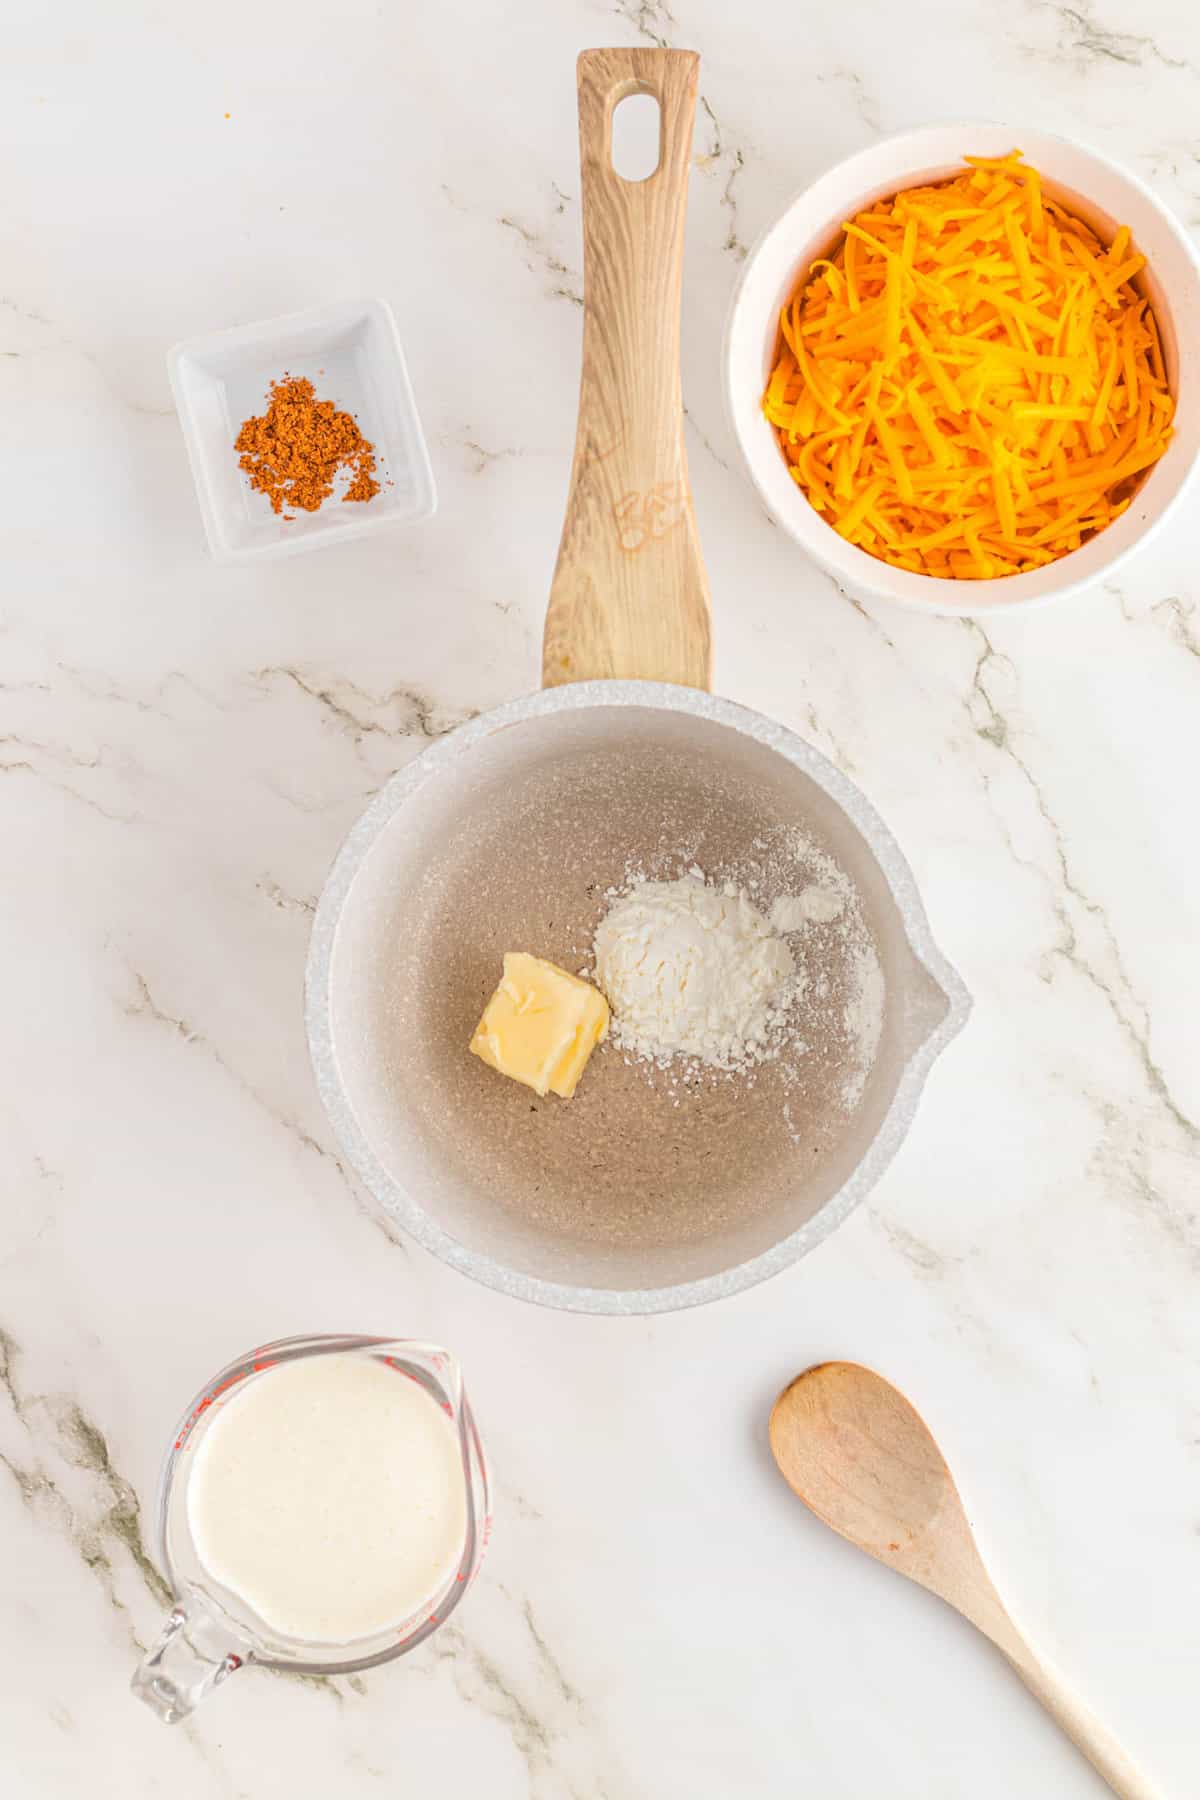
x: 350, y: 351
x: 1088, y: 185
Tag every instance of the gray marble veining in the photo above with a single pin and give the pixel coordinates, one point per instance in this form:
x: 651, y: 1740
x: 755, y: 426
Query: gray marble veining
x: 183, y: 747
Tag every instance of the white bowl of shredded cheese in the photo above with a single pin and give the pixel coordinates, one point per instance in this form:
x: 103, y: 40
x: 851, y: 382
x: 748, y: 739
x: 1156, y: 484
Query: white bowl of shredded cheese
x: 1088, y: 186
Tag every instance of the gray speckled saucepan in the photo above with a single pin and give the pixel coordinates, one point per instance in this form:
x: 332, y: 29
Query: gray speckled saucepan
x: 646, y: 1191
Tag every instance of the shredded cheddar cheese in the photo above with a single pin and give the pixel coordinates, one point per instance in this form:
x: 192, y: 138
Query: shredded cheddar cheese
x: 969, y: 385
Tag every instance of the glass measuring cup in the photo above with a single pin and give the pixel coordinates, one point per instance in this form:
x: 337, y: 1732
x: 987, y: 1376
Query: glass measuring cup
x: 212, y: 1631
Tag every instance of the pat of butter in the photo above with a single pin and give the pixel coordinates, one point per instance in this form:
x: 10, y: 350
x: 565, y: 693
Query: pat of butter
x: 541, y: 1025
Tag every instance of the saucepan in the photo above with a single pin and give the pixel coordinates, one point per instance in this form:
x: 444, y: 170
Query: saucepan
x: 641, y: 1194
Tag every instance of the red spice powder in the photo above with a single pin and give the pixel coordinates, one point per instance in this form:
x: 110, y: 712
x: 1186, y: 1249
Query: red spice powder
x: 294, y: 452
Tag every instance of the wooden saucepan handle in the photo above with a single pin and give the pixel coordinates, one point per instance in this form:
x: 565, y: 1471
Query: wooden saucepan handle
x: 629, y: 599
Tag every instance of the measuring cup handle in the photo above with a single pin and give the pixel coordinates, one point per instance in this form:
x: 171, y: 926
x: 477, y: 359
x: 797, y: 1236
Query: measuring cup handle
x: 194, y: 1654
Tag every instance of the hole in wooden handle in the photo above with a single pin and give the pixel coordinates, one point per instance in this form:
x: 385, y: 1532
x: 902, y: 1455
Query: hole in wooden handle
x: 636, y: 137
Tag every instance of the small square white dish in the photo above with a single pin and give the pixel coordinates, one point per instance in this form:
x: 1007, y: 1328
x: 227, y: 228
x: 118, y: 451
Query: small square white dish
x: 350, y: 351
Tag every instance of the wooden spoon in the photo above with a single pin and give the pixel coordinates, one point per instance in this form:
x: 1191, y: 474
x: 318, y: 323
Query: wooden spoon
x: 858, y: 1455
x: 629, y: 599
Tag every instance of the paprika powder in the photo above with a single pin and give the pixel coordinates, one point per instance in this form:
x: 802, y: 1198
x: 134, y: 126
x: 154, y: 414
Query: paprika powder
x: 294, y: 452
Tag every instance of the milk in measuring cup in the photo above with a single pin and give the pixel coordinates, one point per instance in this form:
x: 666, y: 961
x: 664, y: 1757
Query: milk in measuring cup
x: 329, y: 1496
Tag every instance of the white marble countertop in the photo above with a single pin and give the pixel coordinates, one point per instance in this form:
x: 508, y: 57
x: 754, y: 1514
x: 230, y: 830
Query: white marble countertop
x: 183, y: 747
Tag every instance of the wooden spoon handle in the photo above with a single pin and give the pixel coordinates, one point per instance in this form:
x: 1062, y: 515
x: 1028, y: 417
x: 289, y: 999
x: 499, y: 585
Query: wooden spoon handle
x: 974, y: 1595
x: 629, y: 597
x: 1081, y: 1726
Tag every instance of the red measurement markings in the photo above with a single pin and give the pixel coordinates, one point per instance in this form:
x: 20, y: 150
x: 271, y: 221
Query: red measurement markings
x: 215, y: 1393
